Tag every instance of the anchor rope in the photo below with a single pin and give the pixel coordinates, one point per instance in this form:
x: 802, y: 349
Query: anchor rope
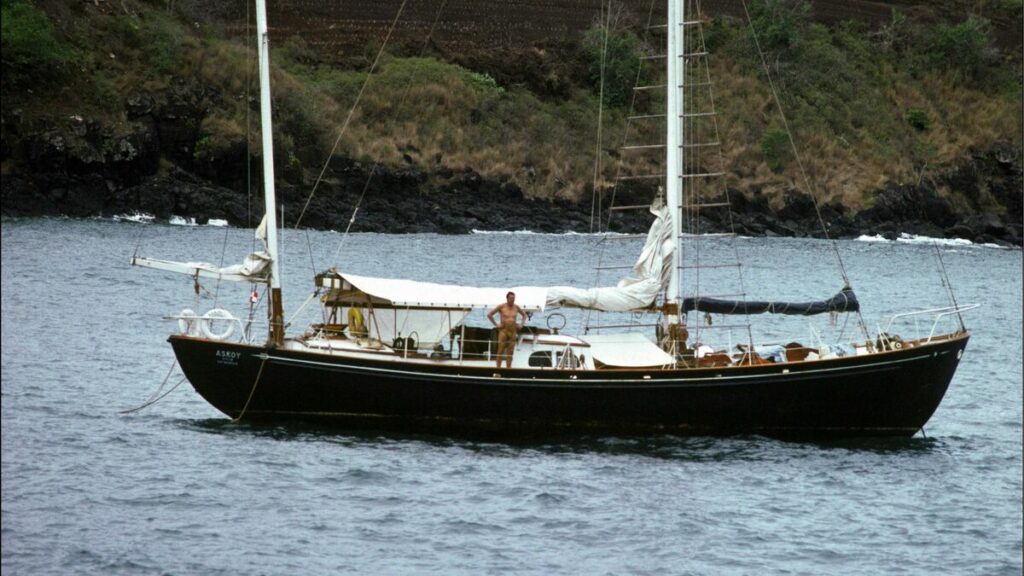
x: 251, y: 392
x: 153, y: 398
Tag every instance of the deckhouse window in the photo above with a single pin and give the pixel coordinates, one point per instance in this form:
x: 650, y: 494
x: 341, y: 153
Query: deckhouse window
x: 541, y: 359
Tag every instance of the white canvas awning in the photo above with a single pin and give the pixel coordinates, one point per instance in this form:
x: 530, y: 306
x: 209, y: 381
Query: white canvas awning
x: 626, y: 350
x: 413, y: 294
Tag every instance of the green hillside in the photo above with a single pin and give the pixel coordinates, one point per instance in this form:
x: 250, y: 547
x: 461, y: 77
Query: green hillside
x: 867, y: 105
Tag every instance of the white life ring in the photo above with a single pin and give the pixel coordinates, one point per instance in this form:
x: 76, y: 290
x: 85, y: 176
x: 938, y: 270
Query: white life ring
x: 187, y: 321
x: 218, y: 315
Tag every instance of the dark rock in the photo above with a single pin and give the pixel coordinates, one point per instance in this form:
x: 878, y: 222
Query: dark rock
x: 960, y: 231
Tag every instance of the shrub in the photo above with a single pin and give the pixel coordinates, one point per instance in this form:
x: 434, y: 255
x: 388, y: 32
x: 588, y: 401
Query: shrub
x: 622, y: 63
x: 779, y: 23
x: 776, y: 148
x: 918, y: 119
x: 31, y: 52
x: 966, y: 48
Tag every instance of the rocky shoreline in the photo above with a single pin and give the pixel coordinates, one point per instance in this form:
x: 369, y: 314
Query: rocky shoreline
x: 407, y: 201
x: 90, y: 171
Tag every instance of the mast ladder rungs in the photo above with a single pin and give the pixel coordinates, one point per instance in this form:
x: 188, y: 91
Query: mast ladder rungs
x: 702, y: 175
x: 642, y: 177
x: 645, y: 325
x: 630, y: 207
x: 645, y: 116
x: 699, y: 266
x: 649, y: 87
x: 708, y: 205
x: 643, y: 147
x: 683, y: 23
x: 624, y: 237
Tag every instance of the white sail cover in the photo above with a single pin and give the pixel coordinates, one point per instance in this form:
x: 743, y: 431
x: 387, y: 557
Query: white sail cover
x: 650, y: 275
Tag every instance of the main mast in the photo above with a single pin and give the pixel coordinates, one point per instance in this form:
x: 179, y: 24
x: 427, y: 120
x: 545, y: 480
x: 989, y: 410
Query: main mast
x: 673, y: 138
x: 276, y: 310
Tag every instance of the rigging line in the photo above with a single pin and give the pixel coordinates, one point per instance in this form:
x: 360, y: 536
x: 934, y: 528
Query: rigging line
x: 351, y: 111
x: 223, y: 252
x: 253, y: 391
x: 618, y: 168
x: 399, y: 106
x: 607, y: 17
x: 800, y: 164
x: 721, y: 157
x: 949, y: 286
x: 632, y: 108
x: 792, y: 143
x: 312, y: 263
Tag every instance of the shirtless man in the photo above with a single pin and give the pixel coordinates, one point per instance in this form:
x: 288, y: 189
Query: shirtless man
x: 508, y: 327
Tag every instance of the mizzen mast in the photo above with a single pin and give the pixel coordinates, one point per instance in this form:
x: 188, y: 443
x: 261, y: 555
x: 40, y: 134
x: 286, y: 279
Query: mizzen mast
x: 275, y: 308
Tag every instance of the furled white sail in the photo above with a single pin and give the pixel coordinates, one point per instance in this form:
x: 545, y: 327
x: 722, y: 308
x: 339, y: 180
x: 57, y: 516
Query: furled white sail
x: 254, y: 268
x: 651, y: 274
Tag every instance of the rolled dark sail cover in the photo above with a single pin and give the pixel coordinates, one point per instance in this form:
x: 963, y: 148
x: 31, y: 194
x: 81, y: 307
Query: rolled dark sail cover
x: 844, y: 301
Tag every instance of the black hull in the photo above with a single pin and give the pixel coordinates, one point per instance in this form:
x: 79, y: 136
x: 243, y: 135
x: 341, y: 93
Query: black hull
x: 887, y: 394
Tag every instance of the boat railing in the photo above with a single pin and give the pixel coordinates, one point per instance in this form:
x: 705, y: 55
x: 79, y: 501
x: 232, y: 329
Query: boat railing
x: 191, y: 324
x: 938, y: 316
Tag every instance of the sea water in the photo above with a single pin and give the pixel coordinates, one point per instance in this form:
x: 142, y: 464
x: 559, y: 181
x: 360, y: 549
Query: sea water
x: 178, y: 489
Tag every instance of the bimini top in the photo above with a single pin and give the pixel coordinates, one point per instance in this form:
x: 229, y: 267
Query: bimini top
x: 347, y: 289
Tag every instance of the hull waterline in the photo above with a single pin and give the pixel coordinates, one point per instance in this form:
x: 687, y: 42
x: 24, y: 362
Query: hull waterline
x: 885, y: 394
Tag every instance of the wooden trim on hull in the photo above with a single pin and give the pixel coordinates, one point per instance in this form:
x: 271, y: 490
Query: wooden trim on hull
x: 886, y: 394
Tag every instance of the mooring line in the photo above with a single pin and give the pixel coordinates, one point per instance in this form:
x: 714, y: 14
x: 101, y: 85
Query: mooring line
x: 153, y: 399
x: 251, y: 392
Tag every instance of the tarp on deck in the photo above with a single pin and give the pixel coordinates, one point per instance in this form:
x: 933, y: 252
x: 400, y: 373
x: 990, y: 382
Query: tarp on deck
x: 626, y: 350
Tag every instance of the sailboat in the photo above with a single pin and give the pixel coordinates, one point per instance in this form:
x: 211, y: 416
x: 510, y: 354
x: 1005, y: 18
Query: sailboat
x: 394, y: 353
